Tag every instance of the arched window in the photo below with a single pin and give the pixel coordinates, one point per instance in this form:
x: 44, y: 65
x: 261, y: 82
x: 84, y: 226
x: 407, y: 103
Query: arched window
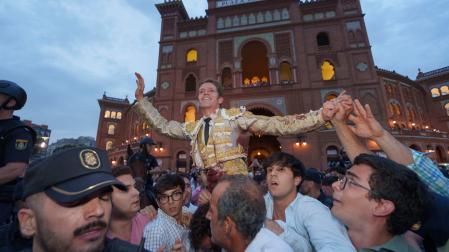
x: 410, y: 113
x: 322, y: 39
x: 444, y: 90
x: 189, y: 115
x: 191, y: 83
x: 226, y: 77
x: 119, y: 115
x: 330, y: 96
x: 113, y: 114
x: 111, y: 129
x: 397, y: 109
x: 446, y: 106
x: 254, y: 63
x: 108, y: 145
x: 107, y: 114
x: 192, y: 56
x: 327, y: 70
x: 391, y: 108
x: 286, y: 72
x: 435, y: 92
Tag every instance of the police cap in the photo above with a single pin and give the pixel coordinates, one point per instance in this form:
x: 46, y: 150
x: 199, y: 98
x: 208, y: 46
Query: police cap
x: 312, y: 174
x: 71, y: 175
x: 147, y: 140
x: 14, y: 91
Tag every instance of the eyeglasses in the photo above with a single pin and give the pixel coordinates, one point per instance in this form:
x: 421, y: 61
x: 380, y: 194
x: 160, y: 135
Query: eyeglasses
x: 176, y: 196
x: 344, y: 180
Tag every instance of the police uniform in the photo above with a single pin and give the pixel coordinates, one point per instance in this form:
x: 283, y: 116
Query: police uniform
x: 221, y: 149
x: 16, y: 143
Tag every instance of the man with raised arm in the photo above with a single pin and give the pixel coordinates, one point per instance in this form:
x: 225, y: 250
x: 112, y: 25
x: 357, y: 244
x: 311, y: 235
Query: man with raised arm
x: 214, y: 137
x: 367, y: 127
x: 434, y: 229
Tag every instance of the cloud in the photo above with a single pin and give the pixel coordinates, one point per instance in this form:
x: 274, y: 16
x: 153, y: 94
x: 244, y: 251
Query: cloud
x: 408, y: 34
x: 66, y: 53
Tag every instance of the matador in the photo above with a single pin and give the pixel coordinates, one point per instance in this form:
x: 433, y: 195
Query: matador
x: 214, y: 136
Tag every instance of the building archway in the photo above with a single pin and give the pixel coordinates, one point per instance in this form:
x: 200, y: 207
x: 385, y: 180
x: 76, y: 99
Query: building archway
x: 255, y: 64
x: 262, y: 146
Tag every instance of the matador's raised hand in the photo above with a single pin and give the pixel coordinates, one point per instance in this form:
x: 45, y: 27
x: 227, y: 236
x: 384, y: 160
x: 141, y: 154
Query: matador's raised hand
x: 140, y: 86
x: 330, y: 108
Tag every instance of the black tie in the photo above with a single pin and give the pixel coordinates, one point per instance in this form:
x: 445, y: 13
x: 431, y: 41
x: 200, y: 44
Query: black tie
x: 206, y: 130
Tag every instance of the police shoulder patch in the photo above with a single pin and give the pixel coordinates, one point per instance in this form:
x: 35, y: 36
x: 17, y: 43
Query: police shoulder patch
x: 21, y: 144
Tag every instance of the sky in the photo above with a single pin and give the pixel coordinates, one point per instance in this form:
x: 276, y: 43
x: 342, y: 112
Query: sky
x: 67, y: 53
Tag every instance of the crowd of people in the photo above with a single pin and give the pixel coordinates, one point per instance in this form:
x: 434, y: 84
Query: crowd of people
x: 75, y: 201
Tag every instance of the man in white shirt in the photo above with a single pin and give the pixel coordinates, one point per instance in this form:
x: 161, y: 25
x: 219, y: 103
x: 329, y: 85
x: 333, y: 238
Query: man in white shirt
x: 237, y: 213
x: 303, y: 222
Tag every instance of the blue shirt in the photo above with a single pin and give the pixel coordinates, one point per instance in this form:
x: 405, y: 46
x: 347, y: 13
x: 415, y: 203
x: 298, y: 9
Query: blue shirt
x: 310, y: 225
x: 429, y: 173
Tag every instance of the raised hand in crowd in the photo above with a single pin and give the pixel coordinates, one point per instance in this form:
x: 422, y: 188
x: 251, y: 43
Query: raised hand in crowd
x: 204, y: 197
x: 330, y: 108
x: 140, y: 86
x: 177, y: 247
x: 365, y: 124
x: 149, y: 211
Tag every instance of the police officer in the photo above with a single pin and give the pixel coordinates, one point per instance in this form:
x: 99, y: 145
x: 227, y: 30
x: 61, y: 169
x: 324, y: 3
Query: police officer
x: 16, y: 144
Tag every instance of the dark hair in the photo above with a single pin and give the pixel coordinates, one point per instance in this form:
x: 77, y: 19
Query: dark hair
x: 217, y: 85
x: 398, y: 184
x: 184, y: 175
x: 121, y: 170
x: 199, y: 226
x: 285, y: 160
x: 168, y: 182
x: 339, y: 168
x: 243, y: 202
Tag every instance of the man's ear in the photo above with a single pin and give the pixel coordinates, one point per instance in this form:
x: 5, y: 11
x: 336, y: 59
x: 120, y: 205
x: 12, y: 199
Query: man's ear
x: 27, y: 221
x: 220, y: 100
x: 384, y: 208
x: 229, y: 225
x: 298, y: 180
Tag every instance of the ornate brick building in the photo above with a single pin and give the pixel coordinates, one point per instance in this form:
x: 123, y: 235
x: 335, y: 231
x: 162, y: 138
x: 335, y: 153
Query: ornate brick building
x: 276, y: 58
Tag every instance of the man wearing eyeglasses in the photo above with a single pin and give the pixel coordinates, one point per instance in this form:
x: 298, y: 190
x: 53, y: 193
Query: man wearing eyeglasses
x: 379, y: 200
x: 433, y: 233
x: 170, y: 225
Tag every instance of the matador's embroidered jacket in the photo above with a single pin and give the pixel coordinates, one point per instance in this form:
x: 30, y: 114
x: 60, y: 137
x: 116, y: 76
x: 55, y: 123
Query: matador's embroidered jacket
x: 222, y: 149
